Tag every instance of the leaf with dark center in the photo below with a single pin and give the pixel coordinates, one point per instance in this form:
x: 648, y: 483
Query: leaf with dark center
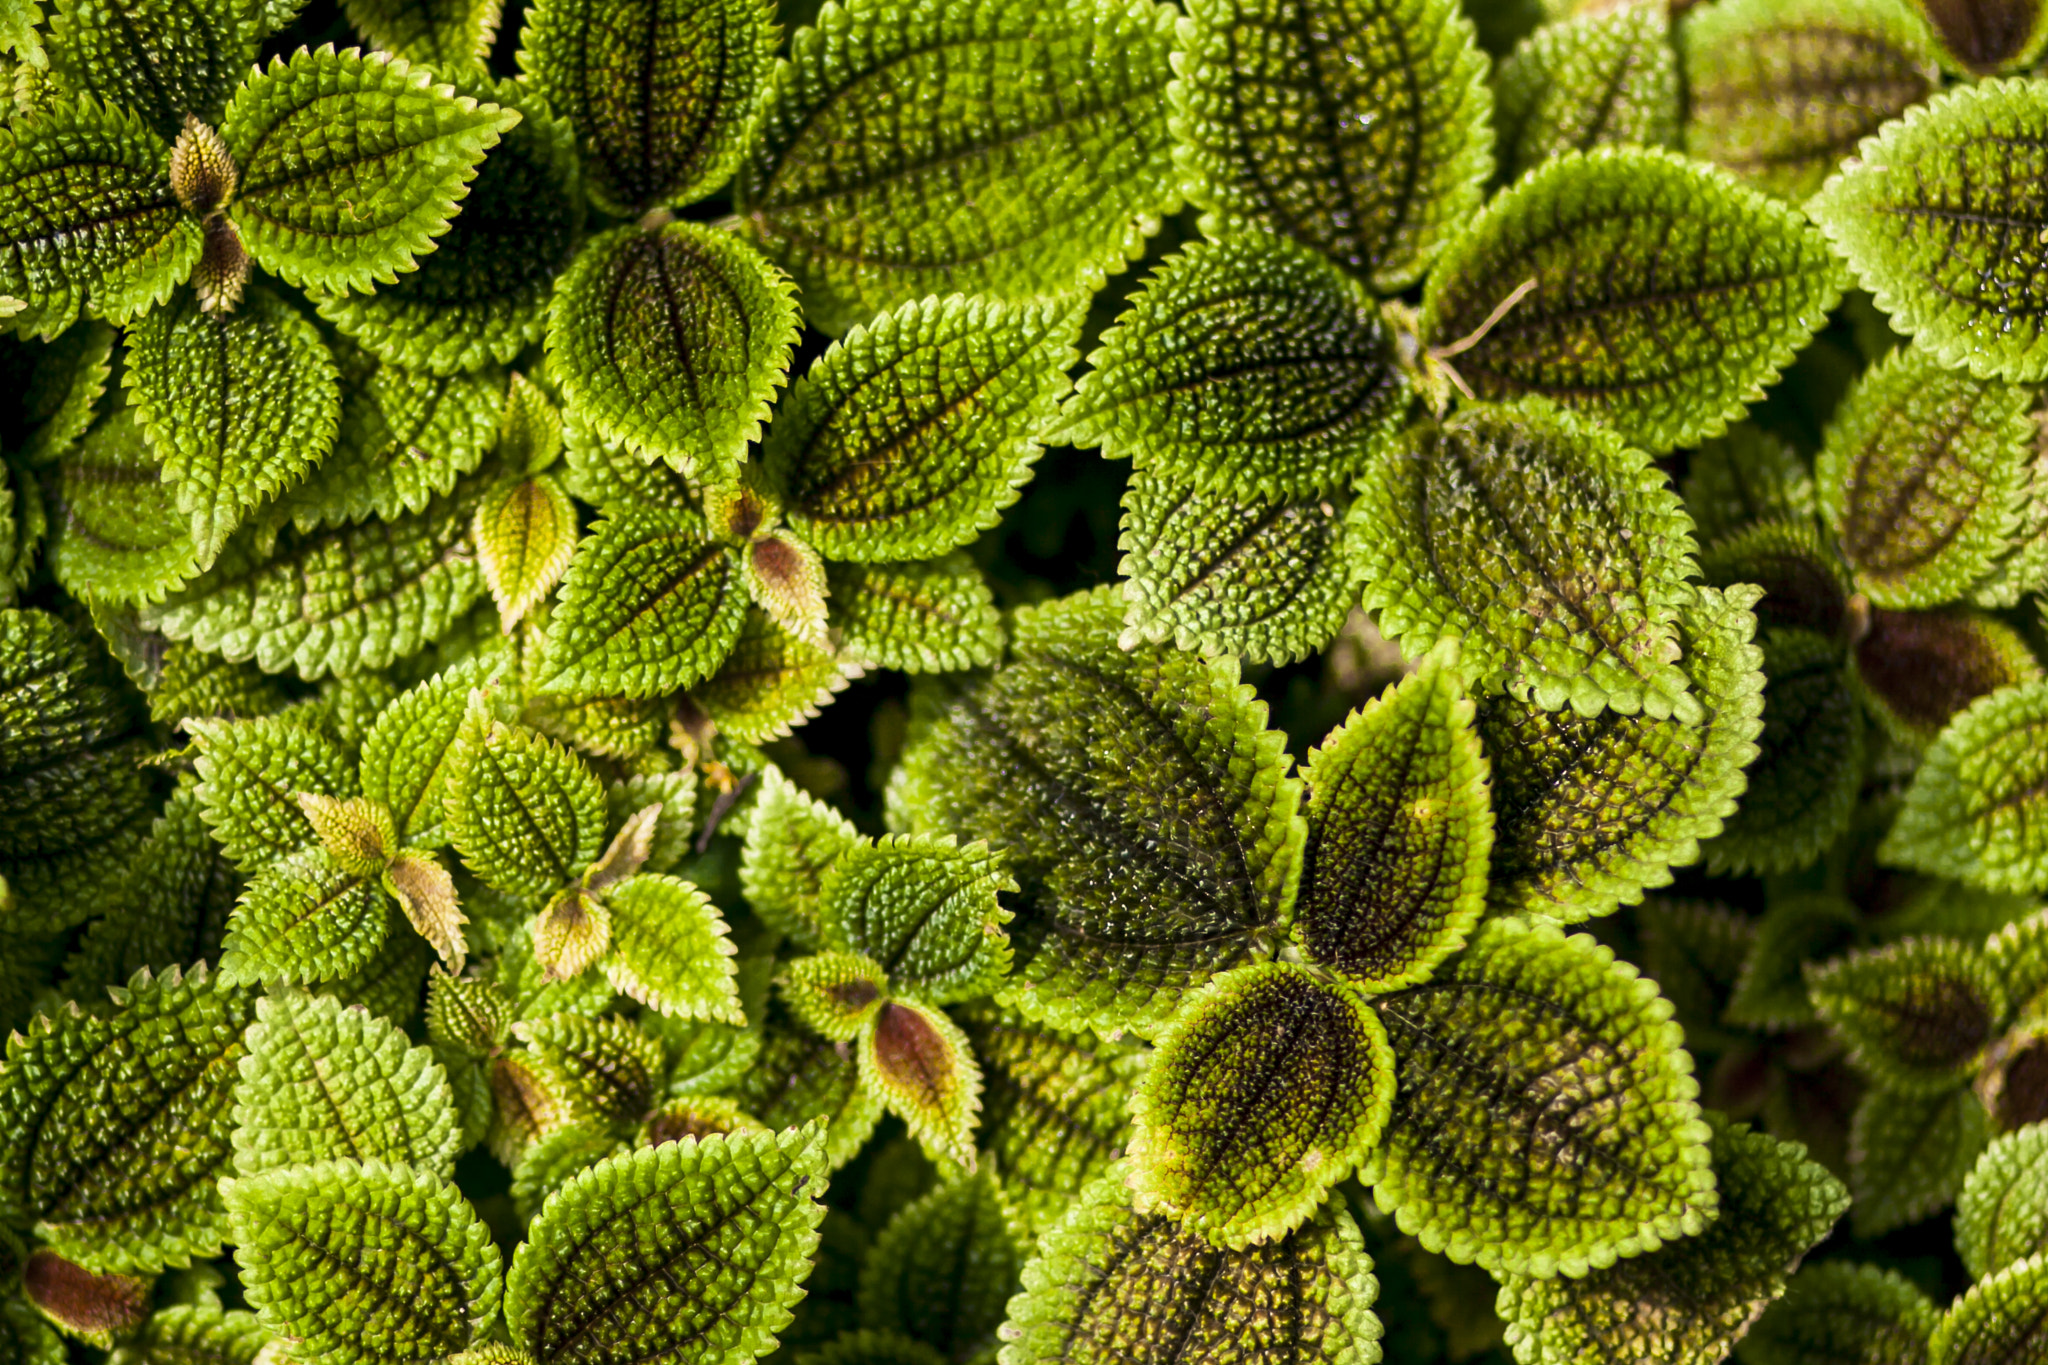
x: 96, y: 1308
x: 1987, y: 36
x: 1920, y: 669
x: 1917, y: 1014
x: 919, y: 1064
x: 944, y: 1268
x: 165, y: 59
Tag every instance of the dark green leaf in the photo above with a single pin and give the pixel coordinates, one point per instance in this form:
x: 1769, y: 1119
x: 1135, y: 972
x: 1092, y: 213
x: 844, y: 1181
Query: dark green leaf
x: 798, y: 1078
x: 1747, y: 475
x: 117, y: 534
x: 2001, y: 1217
x: 446, y: 34
x: 602, y: 1071
x: 166, y: 59
x: 250, y: 773
x: 930, y: 616
x: 1588, y: 81
x: 1908, y: 1155
x: 945, y: 1267
x: 1837, y: 1313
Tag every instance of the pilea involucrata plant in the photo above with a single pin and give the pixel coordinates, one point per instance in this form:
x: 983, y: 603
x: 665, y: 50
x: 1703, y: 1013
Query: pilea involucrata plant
x: 1023, y: 682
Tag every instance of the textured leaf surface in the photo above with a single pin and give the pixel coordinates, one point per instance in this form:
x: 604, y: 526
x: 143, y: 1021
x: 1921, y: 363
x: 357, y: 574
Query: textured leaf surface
x: 250, y: 773
x: 888, y: 123
x: 1978, y: 807
x: 323, y: 1082
x: 526, y: 814
x: 1113, y: 1287
x: 1836, y: 1313
x: 1248, y: 364
x: 525, y: 534
x: 194, y: 1335
x: 604, y: 1071
x: 1931, y: 217
x: 1667, y: 294
x: 114, y: 1127
x: 771, y: 682
x: 1909, y: 1155
x: 445, y: 34
x: 1554, y: 550
x: 406, y: 756
x: 1481, y: 1160
x: 929, y: 616
x: 924, y: 910
x: 1357, y: 128
x: 1393, y: 874
x: 364, y: 1261
x: 791, y: 841
x: 909, y: 437
x: 164, y: 58
x: 351, y: 165
x: 660, y: 91
x: 2001, y: 1217
x: 945, y: 1267
x: 673, y: 341
x: 798, y: 1078
x: 1997, y: 1320
x: 1143, y: 873
x: 917, y: 1062
x: 833, y: 994
x: 1917, y: 1015
x: 1688, y: 1303
x: 1585, y: 82
x: 117, y: 533
x: 670, y: 950
x: 707, y: 1242
x: 1267, y: 1089
x: 1781, y: 91
x: 305, y: 919
x: 1918, y: 670
x: 650, y: 605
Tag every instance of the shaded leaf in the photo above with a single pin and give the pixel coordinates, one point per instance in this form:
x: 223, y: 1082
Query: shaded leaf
x: 1985, y: 36
x: 1909, y: 1155
x: 771, y: 682
x: 164, y: 58
x: 117, y: 534
x: 1918, y: 670
x: 1975, y: 811
x: 1807, y: 586
x: 1747, y: 475
x: 602, y: 1071
x: 92, y: 1308
x: 1588, y: 81
x: 798, y: 1078
x: 1771, y: 992
x: 196, y: 1334
x: 945, y: 1267
x: 445, y: 34
x: 929, y: 616
x: 1836, y: 1313
x: 2001, y: 1217
x: 1917, y: 1015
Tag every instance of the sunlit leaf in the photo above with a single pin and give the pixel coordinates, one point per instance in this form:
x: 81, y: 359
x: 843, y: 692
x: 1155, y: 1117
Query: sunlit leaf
x: 919, y: 1063
x: 305, y: 919
x: 670, y: 949
x: 525, y: 534
x: 924, y: 910
x: 1996, y: 1319
x: 249, y: 774
x: 526, y: 814
x: 791, y: 839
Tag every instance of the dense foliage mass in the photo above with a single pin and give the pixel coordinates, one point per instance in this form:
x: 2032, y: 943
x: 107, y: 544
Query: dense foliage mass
x: 1023, y: 682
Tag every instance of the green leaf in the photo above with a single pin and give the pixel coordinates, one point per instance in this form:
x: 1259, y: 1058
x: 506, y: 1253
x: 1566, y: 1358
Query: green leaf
x: 945, y: 1267
x: 1917, y: 1015
x: 114, y: 1126
x: 117, y: 533
x: 1267, y: 1089
x: 2001, y: 1217
x: 525, y: 533
x: 1688, y: 1303
x: 481, y: 295
x: 706, y: 1243
x: 526, y: 814
x: 1554, y: 550
x: 249, y: 774
x: 833, y: 994
x: 237, y: 406
x: 930, y: 616
x: 1221, y: 574
x: 909, y: 436
x: 194, y: 1334
x: 553, y: 1162
x: 1694, y: 951
x: 1927, y: 214
x: 351, y: 165
x: 167, y: 59
x: 1393, y: 874
x: 1803, y: 784
x: 1771, y: 994
x: 323, y: 1082
x: 358, y: 1262
x: 1836, y: 1313
x: 660, y: 91
x: 445, y: 34
x: 1922, y: 477
x: 1481, y: 1164
x: 1643, y: 313
x: 26, y: 1337
x: 1918, y: 671
x: 1142, y: 877
x: 1249, y: 365
x: 1975, y: 809
x: 925, y: 910
x: 1113, y: 1287
x: 306, y: 919
x: 1747, y: 475
x: 670, y: 949
x: 405, y: 761
x: 1997, y: 1320
x: 1588, y: 81
x: 1909, y: 1155
x: 1806, y: 584
x: 1782, y: 91
x: 995, y: 148
x: 651, y: 604
x: 917, y: 1062
x: 348, y: 599
x: 1981, y: 39
x: 67, y: 380
x: 798, y: 1078
x: 603, y: 1071
x: 1590, y: 812
x: 791, y: 840
x: 673, y: 341
x: 1359, y: 129
x: 771, y: 682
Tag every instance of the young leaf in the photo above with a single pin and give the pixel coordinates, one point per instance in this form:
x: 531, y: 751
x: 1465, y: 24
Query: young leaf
x: 95, y: 1309
x: 1145, y: 876
x: 651, y: 604
x: 1998, y: 1319
x: 1267, y: 1089
x: 1052, y: 122
x: 1644, y: 313
x: 792, y: 839
x: 1393, y: 874
x: 1588, y: 81
x: 945, y: 1267
x: 363, y: 1263
x: 1909, y: 1155
x: 236, y: 406
x: 673, y: 341
x: 1481, y: 1164
x: 918, y: 1062
x: 785, y: 578
x: 604, y: 1071
x: 1978, y: 807
x: 526, y: 814
x: 1917, y: 1015
x: 1838, y: 1312
x: 1222, y: 574
x: 1251, y: 365
x: 706, y: 1240
x: 670, y: 949
x: 445, y: 34
x: 525, y: 534
x: 834, y: 994
x: 1553, y: 549
x: 771, y: 682
x: 1359, y: 129
x: 114, y: 1126
x: 351, y: 165
x: 660, y: 91
x: 1926, y: 216
x: 931, y: 616
x: 304, y: 919
x: 1918, y: 671
x: 356, y: 832
x: 1113, y: 1287
x: 924, y: 910
x: 89, y: 216
x: 1688, y: 1303
x: 909, y: 436
x: 406, y: 757
x: 1782, y: 91
x: 250, y: 772
x: 425, y: 892
x: 1590, y: 812
x: 117, y: 533
x: 322, y: 1082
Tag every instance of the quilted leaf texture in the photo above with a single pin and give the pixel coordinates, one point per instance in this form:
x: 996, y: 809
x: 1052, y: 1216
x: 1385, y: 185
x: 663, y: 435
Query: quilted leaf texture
x: 165, y: 58
x: 117, y: 534
x: 919, y: 1064
x: 792, y: 839
x: 526, y: 814
x: 707, y: 1240
x: 1916, y: 1014
x: 927, y: 616
x: 1837, y: 1311
x: 944, y: 1269
x: 445, y: 34
x: 1909, y: 1155
x: 1978, y: 810
x: 304, y: 919
x: 924, y: 910
x: 250, y: 772
x: 670, y: 949
x: 1994, y: 1320
x: 1587, y: 82
x: 2000, y: 1216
